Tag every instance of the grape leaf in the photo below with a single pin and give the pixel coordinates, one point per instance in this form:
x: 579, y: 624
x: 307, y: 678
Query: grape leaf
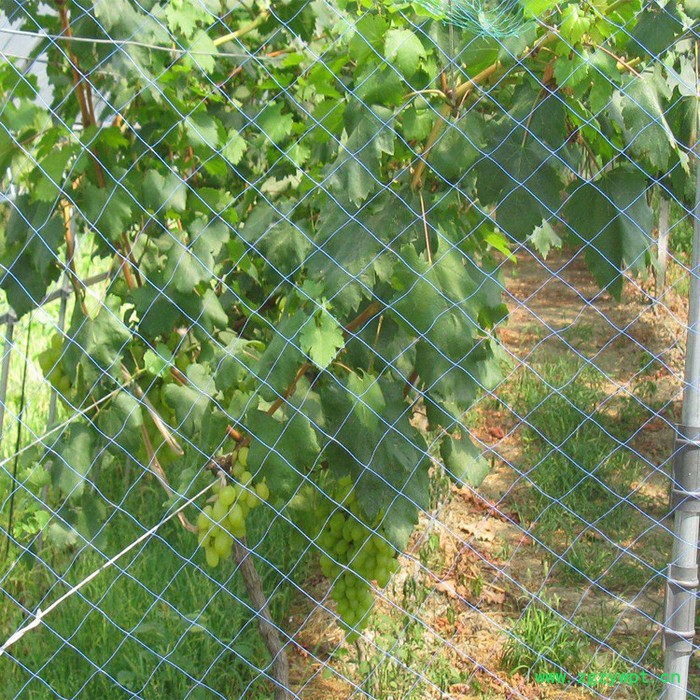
x: 649, y: 134
x: 158, y: 361
x: 79, y: 520
x: 446, y: 306
x: 233, y: 366
x: 352, y: 251
x: 279, y: 363
x: 108, y: 210
x: 612, y: 216
x: 354, y: 175
x: 460, y: 146
x: 191, y: 401
x: 572, y: 70
x: 235, y: 147
x: 368, y: 400
x: 201, y: 130
x: 282, y: 451
x: 183, y: 16
x: 321, y: 338
x: 463, y: 461
x: 50, y: 170
x: 272, y: 234
x: 162, y: 193
x: 656, y: 30
x: 417, y: 124
x: 574, y: 23
x: 544, y: 238
x: 405, y: 50
x: 97, y: 344
x: 29, y: 254
x: 189, y: 264
x: 75, y: 455
x: 520, y: 178
x: 388, y: 465
x: 275, y: 124
x: 536, y: 8
x: 368, y: 39
x: 121, y: 425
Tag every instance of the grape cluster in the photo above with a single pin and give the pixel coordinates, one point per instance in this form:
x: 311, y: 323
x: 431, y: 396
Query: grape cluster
x: 50, y: 363
x: 224, y: 519
x: 354, y: 556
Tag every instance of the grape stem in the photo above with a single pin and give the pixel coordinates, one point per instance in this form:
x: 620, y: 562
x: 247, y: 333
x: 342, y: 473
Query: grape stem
x: 268, y: 630
x: 360, y: 660
x: 157, y: 420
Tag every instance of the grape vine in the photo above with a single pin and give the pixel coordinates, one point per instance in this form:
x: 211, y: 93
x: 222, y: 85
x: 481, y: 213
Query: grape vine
x: 302, y: 251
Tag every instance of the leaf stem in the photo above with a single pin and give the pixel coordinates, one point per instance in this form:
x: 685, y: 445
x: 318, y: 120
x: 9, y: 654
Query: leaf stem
x: 459, y: 94
x: 444, y: 115
x: 290, y: 389
x: 627, y: 65
x: 425, y: 228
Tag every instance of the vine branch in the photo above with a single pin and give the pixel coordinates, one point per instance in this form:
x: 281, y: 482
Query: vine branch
x: 82, y: 88
x: 155, y: 466
x: 372, y: 310
x: 268, y: 629
x: 290, y: 389
x: 260, y: 19
x: 459, y: 95
x: 83, y: 93
x: 75, y: 281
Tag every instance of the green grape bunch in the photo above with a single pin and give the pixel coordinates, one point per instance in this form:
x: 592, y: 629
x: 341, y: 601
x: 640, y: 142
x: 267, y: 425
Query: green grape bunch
x: 225, y: 519
x: 354, y: 557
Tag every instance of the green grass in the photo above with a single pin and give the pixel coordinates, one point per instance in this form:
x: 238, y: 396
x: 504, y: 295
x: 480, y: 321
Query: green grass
x: 542, y: 640
x: 38, y: 329
x: 579, y: 500
x: 26, y: 419
x: 405, y: 660
x: 580, y: 475
x: 154, y: 625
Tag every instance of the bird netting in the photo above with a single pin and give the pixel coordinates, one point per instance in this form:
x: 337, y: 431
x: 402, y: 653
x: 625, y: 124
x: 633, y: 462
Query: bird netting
x: 496, y: 18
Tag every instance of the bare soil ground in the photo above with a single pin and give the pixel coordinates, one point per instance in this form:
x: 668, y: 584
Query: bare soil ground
x: 473, y: 564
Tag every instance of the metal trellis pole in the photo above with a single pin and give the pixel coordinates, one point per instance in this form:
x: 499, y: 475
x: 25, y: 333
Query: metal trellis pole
x: 682, y: 581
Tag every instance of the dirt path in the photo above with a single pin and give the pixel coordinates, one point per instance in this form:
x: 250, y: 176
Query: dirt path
x: 473, y: 565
